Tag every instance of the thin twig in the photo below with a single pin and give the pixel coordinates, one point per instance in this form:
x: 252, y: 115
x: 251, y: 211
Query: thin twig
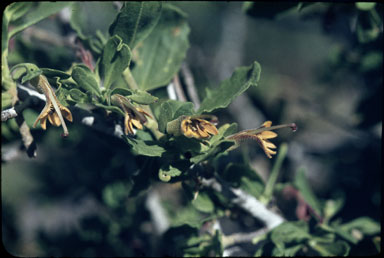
x: 238, y: 238
x: 190, y: 85
x: 8, y: 114
x: 179, y: 89
x: 246, y: 201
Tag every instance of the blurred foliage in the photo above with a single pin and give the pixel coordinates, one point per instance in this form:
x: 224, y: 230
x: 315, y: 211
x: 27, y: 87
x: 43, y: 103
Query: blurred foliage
x: 138, y: 49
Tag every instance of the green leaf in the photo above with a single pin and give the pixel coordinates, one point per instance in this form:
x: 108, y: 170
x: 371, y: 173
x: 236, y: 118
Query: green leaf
x: 25, y: 71
x: 365, y: 225
x: 289, y: 232
x: 172, y: 109
x: 145, y: 148
x: 86, y: 80
x: 114, y: 60
x: 50, y: 73
x: 110, y: 108
x: 135, y: 21
x: 167, y: 172
x: 240, y: 81
x: 41, y: 11
x: 78, y: 96
x: 114, y: 195
x: 337, y: 248
x: 365, y: 6
x: 244, y: 177
x: 89, y: 17
x: 302, y: 185
x: 203, y: 203
x: 142, y: 97
x: 160, y: 55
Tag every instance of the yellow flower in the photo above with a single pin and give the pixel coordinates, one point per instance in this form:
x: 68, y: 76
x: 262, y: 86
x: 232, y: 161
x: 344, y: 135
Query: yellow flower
x: 262, y: 140
x: 133, y: 116
x: 197, y: 128
x: 53, y: 110
x: 261, y: 135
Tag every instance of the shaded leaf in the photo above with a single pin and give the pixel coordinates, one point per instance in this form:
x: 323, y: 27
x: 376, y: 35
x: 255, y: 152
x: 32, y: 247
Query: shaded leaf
x: 135, y: 21
x: 145, y: 148
x: 167, y: 172
x: 40, y: 11
x: 240, y: 81
x: 114, y: 60
x: 290, y: 232
x: 86, y: 18
x: 50, y: 73
x: 172, y: 109
x: 142, y: 97
x: 337, y: 248
x: 86, y: 80
x: 203, y: 203
x: 303, y: 186
x: 159, y: 56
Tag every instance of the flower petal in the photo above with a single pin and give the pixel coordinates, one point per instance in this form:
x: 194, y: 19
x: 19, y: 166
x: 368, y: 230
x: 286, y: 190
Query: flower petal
x: 137, y: 123
x: 66, y: 113
x: 43, y: 122
x: 54, y: 119
x: 267, y: 124
x: 269, y: 145
x: 127, y: 125
x: 268, y: 135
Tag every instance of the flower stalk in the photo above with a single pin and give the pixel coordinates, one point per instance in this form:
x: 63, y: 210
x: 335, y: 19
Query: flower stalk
x: 261, y: 135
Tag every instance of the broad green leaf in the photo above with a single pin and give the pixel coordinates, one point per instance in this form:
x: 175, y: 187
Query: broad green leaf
x: 135, y: 21
x: 114, y: 60
x: 86, y: 80
x: 35, y: 14
x: 146, y: 148
x: 290, y: 232
x: 240, y: 81
x: 302, y: 185
x: 365, y: 225
x: 172, y: 109
x: 167, y: 172
x: 160, y: 55
x: 337, y: 248
x: 287, y: 252
x: 89, y: 17
x: 25, y: 71
x: 203, y: 203
x: 142, y: 97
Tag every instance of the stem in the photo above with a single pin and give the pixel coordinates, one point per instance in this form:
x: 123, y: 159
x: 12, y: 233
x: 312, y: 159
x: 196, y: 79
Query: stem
x: 153, y: 126
x: 128, y: 77
x: 268, y: 190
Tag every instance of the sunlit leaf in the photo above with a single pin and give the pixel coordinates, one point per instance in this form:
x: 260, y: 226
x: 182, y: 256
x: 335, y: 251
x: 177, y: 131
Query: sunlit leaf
x: 158, y: 57
x: 135, y: 21
x: 240, y: 81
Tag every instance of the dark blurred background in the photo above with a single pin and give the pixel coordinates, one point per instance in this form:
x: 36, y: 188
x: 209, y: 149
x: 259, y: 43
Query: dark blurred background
x: 318, y: 70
